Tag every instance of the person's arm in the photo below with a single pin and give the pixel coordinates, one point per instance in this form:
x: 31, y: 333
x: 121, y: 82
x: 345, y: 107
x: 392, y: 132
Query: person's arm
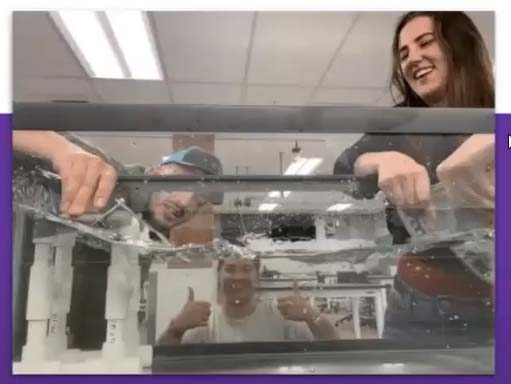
x: 369, y: 144
x: 87, y: 180
x: 468, y: 174
x: 171, y: 336
x: 383, y: 162
x: 193, y: 315
x: 320, y: 327
x: 39, y: 143
x: 297, y: 308
x: 404, y: 182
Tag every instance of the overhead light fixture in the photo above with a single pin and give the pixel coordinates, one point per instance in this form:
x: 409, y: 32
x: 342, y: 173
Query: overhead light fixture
x: 310, y: 166
x: 300, y: 166
x: 278, y: 194
x: 295, y: 166
x: 132, y: 32
x: 275, y: 194
x: 338, y: 207
x: 267, y: 207
x: 112, y: 44
x: 87, y: 38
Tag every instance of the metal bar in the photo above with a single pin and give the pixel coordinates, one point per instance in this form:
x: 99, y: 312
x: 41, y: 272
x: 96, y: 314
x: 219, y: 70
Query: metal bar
x: 236, y: 183
x: 209, y: 118
x: 139, y: 188
x: 322, y: 287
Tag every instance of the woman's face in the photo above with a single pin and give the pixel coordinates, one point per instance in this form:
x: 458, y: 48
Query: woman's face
x: 423, y: 63
x: 238, y: 278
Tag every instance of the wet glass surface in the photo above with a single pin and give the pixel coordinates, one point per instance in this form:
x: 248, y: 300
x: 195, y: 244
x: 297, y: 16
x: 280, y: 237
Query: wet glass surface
x: 250, y: 256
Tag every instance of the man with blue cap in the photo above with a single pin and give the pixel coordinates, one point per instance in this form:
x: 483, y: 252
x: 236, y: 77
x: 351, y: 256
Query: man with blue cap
x: 184, y: 215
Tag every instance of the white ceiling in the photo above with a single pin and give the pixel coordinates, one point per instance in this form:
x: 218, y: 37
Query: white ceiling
x: 251, y: 58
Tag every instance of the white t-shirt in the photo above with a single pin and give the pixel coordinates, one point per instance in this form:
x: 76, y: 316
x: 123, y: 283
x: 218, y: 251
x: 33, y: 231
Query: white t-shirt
x: 264, y: 324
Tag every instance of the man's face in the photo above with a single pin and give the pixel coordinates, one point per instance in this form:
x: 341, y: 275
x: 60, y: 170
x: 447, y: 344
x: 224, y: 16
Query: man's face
x: 170, y: 208
x: 238, y: 279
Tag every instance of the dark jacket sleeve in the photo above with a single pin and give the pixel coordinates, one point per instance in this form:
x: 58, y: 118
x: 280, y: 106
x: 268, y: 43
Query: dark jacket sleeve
x: 345, y: 163
x: 428, y: 150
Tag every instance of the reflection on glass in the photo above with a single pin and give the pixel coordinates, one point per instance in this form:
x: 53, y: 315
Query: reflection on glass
x: 212, y: 261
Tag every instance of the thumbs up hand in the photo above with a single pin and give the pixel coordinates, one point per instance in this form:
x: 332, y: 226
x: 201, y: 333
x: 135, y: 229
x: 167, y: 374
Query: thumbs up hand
x: 193, y: 314
x: 295, y: 307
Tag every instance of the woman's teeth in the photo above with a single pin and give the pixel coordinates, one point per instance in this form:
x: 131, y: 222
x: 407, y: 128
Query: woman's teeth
x: 422, y: 72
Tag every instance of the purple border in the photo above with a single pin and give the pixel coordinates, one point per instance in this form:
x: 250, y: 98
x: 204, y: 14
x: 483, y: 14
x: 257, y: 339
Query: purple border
x: 503, y: 315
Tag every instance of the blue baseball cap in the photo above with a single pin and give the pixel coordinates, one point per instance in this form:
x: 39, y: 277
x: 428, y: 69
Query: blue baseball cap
x: 197, y: 158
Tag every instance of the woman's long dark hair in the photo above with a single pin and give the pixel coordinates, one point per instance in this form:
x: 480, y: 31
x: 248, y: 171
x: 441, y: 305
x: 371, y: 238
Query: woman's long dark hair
x: 470, y: 75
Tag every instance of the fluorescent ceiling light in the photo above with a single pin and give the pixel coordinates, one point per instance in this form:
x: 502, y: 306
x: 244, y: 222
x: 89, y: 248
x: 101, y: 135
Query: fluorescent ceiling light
x: 133, y: 35
x: 86, y: 36
x: 338, y: 207
x: 300, y: 166
x: 310, y: 166
x: 278, y: 194
x: 295, y: 166
x: 266, y: 207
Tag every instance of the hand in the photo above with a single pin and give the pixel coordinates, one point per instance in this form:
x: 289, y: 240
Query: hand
x: 193, y: 314
x: 468, y: 175
x: 87, y: 180
x: 295, y: 307
x: 404, y: 182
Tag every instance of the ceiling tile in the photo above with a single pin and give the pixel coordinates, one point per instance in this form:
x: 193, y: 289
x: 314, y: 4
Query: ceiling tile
x: 485, y: 22
x: 351, y: 96
x: 295, y: 47
x: 47, y: 89
x: 132, y: 91
x: 196, y: 93
x: 359, y: 70
x: 39, y: 50
x: 372, y: 34
x: 365, y: 57
x: 203, y: 46
x: 267, y: 95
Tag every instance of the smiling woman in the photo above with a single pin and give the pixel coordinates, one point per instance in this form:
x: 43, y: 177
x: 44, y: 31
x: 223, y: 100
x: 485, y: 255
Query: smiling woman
x: 440, y: 60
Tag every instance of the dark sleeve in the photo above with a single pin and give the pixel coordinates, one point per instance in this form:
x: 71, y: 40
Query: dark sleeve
x: 428, y: 150
x: 345, y: 163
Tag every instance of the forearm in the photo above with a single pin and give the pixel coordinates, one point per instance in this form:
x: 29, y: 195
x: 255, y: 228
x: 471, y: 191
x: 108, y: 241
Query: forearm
x: 321, y: 328
x: 171, y: 336
x: 368, y: 163
x: 39, y: 143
